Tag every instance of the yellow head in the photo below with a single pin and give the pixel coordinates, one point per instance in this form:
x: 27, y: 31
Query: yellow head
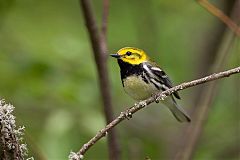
x: 131, y: 55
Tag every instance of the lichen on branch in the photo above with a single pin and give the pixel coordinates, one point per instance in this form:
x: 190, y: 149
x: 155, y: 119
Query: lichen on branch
x: 11, y: 141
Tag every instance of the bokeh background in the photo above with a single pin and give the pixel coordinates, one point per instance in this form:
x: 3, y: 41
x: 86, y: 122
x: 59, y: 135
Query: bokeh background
x: 48, y: 73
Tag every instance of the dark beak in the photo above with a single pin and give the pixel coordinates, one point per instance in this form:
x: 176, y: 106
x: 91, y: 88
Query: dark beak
x: 115, y: 55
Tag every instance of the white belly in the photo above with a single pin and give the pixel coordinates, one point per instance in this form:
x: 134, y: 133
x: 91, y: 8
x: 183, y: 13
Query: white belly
x: 137, y: 88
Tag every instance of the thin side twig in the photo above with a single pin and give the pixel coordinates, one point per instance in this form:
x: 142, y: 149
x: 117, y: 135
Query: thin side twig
x: 98, y: 42
x: 218, y: 13
x: 160, y: 96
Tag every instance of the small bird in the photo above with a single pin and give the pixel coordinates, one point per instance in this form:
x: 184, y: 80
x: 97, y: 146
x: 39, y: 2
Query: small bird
x: 142, y: 77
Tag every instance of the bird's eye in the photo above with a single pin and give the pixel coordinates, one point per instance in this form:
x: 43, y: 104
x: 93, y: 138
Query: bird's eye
x: 128, y: 53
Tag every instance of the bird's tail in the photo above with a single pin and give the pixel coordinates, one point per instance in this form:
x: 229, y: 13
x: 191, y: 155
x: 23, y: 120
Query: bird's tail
x: 176, y: 110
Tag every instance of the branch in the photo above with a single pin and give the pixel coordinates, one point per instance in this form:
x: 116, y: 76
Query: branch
x: 140, y: 105
x: 218, y: 13
x: 99, y: 46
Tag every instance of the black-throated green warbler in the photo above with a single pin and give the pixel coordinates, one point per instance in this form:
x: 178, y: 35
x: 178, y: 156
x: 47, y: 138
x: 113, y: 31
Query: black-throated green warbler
x: 141, y: 78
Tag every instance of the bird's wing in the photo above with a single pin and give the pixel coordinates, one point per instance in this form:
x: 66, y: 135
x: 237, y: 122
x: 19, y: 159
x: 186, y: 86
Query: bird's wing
x: 162, y: 77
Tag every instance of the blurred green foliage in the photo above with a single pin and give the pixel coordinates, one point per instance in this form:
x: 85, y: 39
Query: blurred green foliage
x: 48, y: 73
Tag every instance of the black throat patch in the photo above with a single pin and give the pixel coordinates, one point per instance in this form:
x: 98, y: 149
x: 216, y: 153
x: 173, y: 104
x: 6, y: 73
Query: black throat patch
x: 127, y: 69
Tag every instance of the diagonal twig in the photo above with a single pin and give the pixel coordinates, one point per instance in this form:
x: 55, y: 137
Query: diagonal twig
x: 218, y: 13
x: 143, y: 104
